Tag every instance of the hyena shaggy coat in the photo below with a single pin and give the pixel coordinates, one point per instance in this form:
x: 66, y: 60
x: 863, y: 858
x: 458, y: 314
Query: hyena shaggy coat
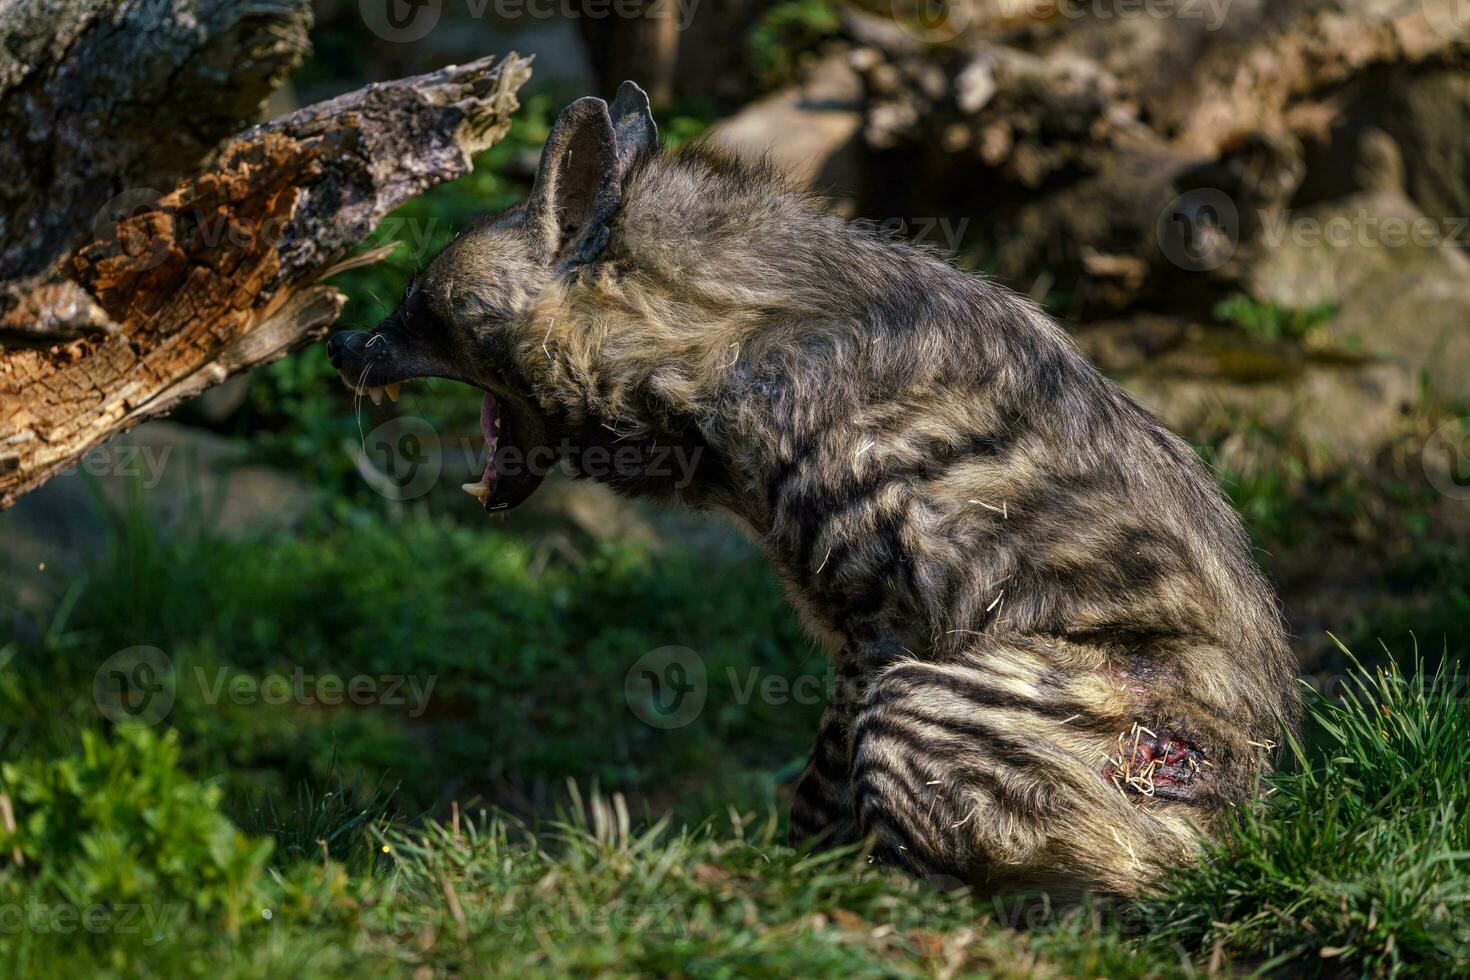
x: 1059, y: 664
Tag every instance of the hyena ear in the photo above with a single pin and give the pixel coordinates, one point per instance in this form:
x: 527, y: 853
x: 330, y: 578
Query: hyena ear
x: 580, y: 182
x: 577, y: 188
x: 633, y: 125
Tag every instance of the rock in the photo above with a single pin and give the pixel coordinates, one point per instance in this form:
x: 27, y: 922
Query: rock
x: 589, y: 508
x: 1427, y: 115
x: 575, y: 511
x: 1398, y: 275
x: 1199, y: 380
x: 810, y: 131
x: 1119, y: 347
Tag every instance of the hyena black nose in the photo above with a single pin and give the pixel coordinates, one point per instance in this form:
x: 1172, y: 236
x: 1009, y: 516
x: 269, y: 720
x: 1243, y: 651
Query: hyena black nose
x: 339, y: 343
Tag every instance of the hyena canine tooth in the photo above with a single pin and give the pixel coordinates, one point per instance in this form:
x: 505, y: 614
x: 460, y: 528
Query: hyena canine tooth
x: 1059, y: 663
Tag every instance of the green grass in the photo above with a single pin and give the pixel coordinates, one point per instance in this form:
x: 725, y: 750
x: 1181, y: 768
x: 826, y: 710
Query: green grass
x: 1292, y: 495
x: 1436, y: 576
x: 1356, y: 864
x: 1361, y: 856
x: 340, y: 821
x: 1271, y: 321
x: 508, y: 659
x: 1299, y: 502
x: 589, y: 896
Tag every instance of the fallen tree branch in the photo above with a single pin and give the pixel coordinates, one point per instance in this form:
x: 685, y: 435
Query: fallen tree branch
x: 101, y: 95
x: 225, y: 271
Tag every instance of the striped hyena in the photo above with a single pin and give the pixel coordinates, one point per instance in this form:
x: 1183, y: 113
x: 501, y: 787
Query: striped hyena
x: 1059, y: 662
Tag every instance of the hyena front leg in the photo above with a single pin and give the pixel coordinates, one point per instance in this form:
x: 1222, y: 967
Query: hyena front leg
x: 1001, y: 768
x: 821, y: 811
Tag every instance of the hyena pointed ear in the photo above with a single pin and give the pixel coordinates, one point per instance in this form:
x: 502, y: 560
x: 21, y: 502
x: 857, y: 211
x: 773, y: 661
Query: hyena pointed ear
x: 633, y: 124
x: 578, y: 186
x: 580, y: 183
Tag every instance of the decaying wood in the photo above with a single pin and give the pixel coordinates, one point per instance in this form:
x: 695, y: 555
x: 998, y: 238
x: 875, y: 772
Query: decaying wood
x: 101, y: 96
x: 224, y: 271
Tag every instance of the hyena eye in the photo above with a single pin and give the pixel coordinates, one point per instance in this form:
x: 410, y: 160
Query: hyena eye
x: 411, y: 304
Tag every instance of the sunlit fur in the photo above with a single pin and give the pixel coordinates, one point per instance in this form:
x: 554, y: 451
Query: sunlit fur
x: 1012, y: 564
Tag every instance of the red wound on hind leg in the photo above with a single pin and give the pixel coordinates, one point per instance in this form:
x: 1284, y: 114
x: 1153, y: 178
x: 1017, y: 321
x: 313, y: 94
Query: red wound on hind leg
x: 1155, y: 764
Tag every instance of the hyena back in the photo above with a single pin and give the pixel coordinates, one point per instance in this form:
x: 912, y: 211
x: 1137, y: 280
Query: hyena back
x: 1059, y: 664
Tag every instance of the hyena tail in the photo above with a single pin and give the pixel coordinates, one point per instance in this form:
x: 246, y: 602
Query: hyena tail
x: 1011, y: 767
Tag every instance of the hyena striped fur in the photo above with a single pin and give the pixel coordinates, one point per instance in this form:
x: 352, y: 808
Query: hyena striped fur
x: 1059, y: 663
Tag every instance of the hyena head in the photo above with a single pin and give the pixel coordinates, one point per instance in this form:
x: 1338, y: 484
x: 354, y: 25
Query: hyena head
x: 478, y: 313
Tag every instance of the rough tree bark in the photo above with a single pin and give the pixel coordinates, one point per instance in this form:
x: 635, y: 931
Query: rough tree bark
x: 224, y: 270
x: 98, y: 96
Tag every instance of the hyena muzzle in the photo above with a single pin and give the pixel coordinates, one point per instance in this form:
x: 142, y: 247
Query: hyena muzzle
x: 1059, y: 664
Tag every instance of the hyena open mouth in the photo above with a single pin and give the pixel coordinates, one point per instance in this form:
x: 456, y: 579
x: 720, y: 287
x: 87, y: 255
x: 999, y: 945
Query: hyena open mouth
x: 484, y: 490
x: 381, y: 361
x: 517, y: 454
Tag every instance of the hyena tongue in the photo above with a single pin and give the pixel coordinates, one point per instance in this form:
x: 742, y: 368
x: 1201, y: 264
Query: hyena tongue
x: 490, y: 427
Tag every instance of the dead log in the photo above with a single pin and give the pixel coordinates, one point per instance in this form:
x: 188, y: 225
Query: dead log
x: 1078, y: 132
x: 99, y: 96
x: 224, y: 271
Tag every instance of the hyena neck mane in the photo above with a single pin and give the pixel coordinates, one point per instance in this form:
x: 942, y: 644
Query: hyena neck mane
x: 729, y: 304
x: 922, y: 453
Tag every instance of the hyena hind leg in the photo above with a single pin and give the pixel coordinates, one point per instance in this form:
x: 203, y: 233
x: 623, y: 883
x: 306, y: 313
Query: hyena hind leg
x: 985, y: 769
